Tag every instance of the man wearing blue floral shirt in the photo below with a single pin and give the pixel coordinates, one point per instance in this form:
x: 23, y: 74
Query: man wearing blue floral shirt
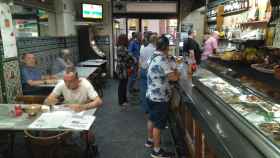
x: 160, y: 72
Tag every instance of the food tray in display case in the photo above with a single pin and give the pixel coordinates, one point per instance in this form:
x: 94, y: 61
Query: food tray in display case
x: 259, y: 113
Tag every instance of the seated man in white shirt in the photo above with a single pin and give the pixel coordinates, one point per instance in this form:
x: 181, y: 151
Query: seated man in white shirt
x: 78, y: 93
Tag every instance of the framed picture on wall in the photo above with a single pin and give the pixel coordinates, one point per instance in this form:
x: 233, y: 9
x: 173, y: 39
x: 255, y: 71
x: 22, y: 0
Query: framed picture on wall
x: 7, y: 32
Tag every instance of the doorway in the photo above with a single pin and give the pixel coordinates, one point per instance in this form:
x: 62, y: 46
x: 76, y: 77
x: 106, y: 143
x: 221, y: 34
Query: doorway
x: 168, y: 27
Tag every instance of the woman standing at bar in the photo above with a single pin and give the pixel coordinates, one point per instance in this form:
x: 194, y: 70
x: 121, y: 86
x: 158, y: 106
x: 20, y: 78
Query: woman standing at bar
x: 124, y: 62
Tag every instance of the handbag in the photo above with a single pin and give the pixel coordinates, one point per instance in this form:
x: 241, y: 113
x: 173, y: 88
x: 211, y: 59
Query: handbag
x: 129, y: 71
x: 193, y: 67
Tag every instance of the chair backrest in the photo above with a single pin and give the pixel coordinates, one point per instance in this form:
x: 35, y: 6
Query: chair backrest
x: 30, y: 99
x: 47, y: 144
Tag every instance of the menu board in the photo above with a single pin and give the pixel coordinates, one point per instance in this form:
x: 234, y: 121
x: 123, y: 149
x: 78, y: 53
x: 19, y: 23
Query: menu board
x: 7, y: 32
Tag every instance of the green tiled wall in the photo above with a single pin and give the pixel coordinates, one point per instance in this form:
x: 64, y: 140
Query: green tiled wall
x: 12, y: 79
x: 46, y: 49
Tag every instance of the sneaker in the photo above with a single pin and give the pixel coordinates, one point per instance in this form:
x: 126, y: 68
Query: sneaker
x: 125, y: 104
x: 160, y: 154
x: 149, y: 144
x: 123, y: 108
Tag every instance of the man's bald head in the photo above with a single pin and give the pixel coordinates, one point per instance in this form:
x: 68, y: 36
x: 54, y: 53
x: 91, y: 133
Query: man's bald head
x: 71, y: 78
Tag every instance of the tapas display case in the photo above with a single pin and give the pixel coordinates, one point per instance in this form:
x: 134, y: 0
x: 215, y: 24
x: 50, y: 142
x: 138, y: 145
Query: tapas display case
x: 254, y: 115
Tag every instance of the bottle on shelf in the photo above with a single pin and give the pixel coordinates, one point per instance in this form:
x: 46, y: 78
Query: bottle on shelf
x: 241, y: 4
x: 257, y: 14
x: 246, y: 3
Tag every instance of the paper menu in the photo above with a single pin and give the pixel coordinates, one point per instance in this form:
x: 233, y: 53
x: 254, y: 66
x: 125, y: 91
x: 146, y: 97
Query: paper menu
x: 51, y: 120
x: 78, y: 122
x: 63, y: 119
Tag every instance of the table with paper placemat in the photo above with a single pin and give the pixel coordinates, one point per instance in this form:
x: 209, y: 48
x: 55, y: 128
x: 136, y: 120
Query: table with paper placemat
x: 57, y: 121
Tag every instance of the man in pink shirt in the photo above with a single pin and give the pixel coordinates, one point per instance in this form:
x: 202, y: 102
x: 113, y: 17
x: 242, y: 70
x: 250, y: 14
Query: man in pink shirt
x: 210, y: 46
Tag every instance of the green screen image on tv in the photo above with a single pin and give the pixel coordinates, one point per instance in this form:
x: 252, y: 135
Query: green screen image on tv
x: 92, y: 11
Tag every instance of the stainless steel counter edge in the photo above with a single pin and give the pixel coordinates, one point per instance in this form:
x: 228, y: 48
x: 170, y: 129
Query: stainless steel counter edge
x: 250, y: 131
x: 220, y: 133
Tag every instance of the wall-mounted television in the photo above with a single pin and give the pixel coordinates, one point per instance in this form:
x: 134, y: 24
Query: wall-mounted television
x: 92, y: 12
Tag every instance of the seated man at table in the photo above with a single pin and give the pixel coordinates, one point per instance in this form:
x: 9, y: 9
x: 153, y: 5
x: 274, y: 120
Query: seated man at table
x: 78, y: 93
x: 32, y: 77
x: 64, y: 60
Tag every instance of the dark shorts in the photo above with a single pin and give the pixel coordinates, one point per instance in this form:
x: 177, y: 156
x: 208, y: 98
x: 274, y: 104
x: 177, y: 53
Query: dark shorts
x: 158, y: 113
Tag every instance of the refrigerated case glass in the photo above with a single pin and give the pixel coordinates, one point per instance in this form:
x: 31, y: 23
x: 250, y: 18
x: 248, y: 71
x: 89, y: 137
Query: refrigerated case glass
x: 260, y: 112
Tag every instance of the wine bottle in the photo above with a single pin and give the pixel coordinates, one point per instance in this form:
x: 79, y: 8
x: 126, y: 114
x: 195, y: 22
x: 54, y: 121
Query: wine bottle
x: 246, y: 4
x: 257, y: 14
x: 239, y: 5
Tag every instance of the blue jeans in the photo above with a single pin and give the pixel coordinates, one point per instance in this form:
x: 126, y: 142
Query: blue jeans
x: 143, y: 90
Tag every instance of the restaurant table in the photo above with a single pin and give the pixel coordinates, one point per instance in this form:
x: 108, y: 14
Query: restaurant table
x: 92, y: 63
x: 85, y: 72
x: 10, y: 123
x: 82, y: 71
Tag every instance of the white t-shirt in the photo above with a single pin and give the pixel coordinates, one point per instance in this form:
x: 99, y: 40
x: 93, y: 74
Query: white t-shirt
x: 145, y: 54
x: 81, y: 95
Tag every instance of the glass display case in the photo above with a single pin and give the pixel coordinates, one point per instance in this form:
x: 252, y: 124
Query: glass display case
x: 260, y: 114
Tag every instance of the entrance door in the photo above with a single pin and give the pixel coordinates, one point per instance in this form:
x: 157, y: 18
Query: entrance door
x: 159, y: 26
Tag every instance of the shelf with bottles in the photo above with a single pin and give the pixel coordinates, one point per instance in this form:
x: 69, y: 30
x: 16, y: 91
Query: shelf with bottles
x: 255, y: 23
x: 239, y: 40
x: 238, y: 34
x: 212, y: 20
x: 272, y: 48
x: 235, y: 12
x: 235, y: 7
x: 212, y: 28
x: 212, y: 12
x: 275, y: 11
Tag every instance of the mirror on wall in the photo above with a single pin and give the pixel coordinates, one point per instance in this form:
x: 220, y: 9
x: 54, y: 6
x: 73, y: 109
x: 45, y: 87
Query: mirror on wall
x: 30, y: 22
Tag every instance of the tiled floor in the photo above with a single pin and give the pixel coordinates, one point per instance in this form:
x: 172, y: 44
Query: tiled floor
x: 122, y: 134
x: 118, y: 134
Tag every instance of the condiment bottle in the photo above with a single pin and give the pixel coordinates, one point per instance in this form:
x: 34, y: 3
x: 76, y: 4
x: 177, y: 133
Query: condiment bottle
x: 18, y: 110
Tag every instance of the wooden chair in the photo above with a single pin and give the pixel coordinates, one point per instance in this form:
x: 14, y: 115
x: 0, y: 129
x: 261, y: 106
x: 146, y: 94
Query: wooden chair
x: 5, y: 144
x: 31, y: 99
x: 47, y: 144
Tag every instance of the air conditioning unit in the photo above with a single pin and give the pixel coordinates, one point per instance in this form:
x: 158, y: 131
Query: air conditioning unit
x: 119, y: 7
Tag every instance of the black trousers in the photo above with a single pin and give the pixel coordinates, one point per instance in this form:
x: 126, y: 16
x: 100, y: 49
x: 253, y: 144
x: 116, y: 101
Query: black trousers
x: 122, y: 90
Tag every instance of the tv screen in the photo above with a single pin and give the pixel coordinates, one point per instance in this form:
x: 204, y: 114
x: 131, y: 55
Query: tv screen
x: 92, y: 11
